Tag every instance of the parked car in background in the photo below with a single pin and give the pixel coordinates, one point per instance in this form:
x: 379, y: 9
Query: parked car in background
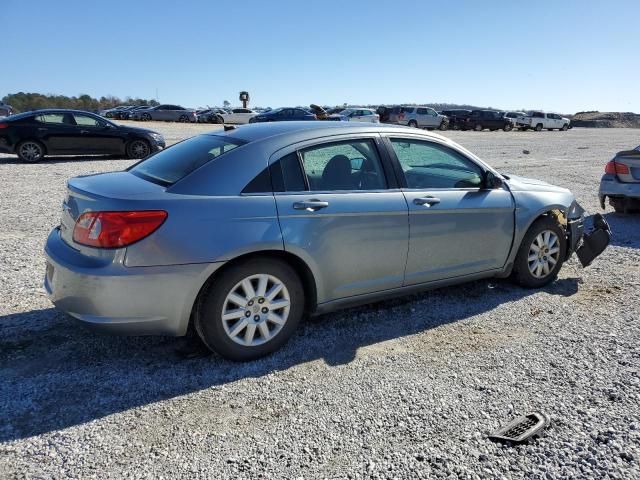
x: 110, y: 112
x: 133, y: 254
x: 418, y: 117
x: 285, y: 114
x: 33, y: 135
x: 513, y: 116
x: 128, y: 113
x: 487, y: 119
x: 318, y: 111
x: 238, y: 116
x: 212, y: 115
x: 5, y: 110
x: 331, y: 111
x: 538, y: 120
x: 356, y: 115
x: 384, y: 112
x: 166, y: 113
x: 456, y: 117
x: 621, y: 181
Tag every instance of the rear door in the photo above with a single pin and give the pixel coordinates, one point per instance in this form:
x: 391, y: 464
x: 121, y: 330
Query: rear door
x: 59, y: 133
x: 457, y: 227
x: 342, y: 212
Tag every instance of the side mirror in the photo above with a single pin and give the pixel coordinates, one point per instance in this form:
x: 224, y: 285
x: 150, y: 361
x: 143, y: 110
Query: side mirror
x: 491, y: 182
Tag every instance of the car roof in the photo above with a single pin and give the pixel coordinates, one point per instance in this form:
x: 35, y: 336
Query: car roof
x: 260, y: 131
x: 56, y: 110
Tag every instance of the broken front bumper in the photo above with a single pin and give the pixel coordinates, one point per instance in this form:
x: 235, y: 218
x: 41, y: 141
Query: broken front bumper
x: 590, y: 244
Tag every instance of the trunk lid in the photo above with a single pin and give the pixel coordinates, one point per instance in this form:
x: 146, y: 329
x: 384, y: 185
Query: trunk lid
x: 102, y: 192
x: 631, y: 159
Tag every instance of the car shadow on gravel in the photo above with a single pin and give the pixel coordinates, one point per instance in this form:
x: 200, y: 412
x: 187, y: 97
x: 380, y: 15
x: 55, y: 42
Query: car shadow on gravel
x: 624, y: 229
x: 57, y: 374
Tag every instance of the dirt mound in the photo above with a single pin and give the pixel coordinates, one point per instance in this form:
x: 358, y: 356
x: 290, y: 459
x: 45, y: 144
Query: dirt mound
x: 606, y: 120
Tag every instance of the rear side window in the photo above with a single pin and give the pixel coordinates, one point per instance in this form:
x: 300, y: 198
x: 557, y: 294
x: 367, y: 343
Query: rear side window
x: 174, y: 163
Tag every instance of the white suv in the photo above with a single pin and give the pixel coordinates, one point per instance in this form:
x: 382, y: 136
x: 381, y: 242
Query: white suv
x: 540, y: 120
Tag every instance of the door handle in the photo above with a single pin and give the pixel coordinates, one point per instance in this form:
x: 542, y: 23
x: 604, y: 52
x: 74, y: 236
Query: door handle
x: 426, y: 201
x: 84, y: 131
x: 42, y: 129
x: 310, y: 205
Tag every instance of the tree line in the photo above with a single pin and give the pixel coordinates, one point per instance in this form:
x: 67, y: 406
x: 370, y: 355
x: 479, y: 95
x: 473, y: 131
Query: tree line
x: 24, y: 102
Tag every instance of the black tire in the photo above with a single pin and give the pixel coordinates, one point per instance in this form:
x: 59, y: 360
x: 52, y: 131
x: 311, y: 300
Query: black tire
x: 508, y: 127
x: 210, y: 325
x: 109, y: 115
x: 443, y: 126
x: 413, y: 124
x: 539, y: 127
x: 478, y: 127
x: 219, y: 120
x: 618, y: 205
x: 138, y: 148
x: 565, y: 127
x: 145, y: 117
x: 183, y: 119
x: 30, y: 151
x: 521, y: 273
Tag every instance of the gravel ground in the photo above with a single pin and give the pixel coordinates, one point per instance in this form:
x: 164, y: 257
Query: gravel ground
x: 407, y: 388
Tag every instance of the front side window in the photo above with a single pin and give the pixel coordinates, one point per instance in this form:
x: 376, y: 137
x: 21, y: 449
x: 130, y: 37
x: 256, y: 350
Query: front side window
x: 176, y: 162
x: 87, y: 121
x: 429, y: 165
x: 351, y: 165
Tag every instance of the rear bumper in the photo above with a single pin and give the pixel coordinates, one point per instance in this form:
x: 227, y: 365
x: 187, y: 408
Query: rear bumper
x: 109, y: 296
x: 611, y: 187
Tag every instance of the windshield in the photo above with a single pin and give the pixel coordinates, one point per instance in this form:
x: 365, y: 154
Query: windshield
x: 174, y: 163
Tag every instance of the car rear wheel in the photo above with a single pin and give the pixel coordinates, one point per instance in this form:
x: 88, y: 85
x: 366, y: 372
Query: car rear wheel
x: 478, y: 127
x: 251, y: 310
x: 138, y: 148
x: 413, y: 124
x: 30, y: 151
x: 508, y: 127
x: 183, y: 119
x: 541, y: 253
x: 146, y: 117
x: 618, y: 204
x: 539, y: 127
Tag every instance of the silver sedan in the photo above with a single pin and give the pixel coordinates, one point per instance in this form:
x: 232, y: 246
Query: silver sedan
x: 243, y: 232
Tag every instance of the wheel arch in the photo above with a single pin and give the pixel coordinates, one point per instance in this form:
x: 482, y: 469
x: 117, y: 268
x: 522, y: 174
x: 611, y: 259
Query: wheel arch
x: 32, y: 139
x: 298, y: 264
x: 557, y: 211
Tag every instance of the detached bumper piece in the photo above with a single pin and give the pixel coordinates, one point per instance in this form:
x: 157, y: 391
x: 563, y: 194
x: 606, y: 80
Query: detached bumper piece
x: 521, y: 429
x: 595, y: 241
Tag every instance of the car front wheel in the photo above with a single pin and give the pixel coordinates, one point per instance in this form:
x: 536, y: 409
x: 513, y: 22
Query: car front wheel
x: 138, y: 148
x: 541, y: 253
x: 251, y: 310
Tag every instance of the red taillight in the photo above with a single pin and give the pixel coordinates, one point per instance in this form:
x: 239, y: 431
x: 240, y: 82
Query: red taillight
x: 615, y: 168
x: 4, y: 125
x: 116, y: 229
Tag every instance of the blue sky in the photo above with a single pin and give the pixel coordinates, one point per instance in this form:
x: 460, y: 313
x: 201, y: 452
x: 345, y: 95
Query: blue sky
x: 557, y: 55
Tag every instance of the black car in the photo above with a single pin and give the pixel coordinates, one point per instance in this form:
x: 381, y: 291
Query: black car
x: 282, y: 115
x: 480, y: 119
x: 456, y: 117
x: 32, y: 135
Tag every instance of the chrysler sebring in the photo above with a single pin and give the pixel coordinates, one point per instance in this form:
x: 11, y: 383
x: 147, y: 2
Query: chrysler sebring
x: 242, y: 232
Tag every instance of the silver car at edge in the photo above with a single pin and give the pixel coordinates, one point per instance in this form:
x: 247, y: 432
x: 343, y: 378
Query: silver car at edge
x: 245, y: 231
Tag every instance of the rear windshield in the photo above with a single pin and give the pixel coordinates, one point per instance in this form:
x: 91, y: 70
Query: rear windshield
x: 174, y: 163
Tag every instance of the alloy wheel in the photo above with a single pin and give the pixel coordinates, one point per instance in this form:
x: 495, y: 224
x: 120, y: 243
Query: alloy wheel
x: 30, y: 151
x: 255, y: 310
x: 139, y: 149
x: 544, y: 254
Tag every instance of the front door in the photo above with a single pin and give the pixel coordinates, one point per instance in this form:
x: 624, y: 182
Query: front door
x: 96, y: 136
x: 457, y: 227
x: 340, y: 213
